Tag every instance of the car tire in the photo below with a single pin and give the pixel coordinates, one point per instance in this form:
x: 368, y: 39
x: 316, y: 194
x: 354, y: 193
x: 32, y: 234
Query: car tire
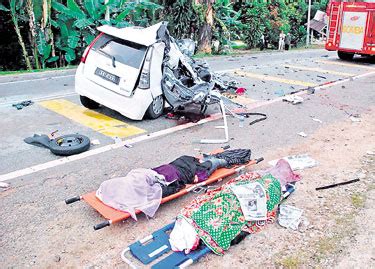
x: 346, y: 56
x: 88, y: 103
x: 67, y: 145
x: 155, y: 109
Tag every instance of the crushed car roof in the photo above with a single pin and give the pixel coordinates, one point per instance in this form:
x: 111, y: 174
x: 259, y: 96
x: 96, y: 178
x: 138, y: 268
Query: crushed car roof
x: 144, y: 36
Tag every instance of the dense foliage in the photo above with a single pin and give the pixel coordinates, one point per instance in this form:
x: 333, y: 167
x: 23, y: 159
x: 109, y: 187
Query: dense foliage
x: 53, y: 33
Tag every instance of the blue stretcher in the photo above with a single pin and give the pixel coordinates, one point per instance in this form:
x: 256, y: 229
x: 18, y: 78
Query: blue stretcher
x: 156, y: 245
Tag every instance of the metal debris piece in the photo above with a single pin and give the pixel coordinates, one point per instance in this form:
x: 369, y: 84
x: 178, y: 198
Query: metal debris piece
x: 4, y: 185
x: 294, y: 99
x: 337, y: 184
x: 317, y: 120
x: 23, y: 104
x: 95, y: 142
x: 355, y: 118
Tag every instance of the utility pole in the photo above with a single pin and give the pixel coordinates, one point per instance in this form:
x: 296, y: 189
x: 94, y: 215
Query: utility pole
x: 308, y: 24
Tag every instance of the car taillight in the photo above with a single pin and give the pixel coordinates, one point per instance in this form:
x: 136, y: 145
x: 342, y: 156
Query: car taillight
x: 87, y: 50
x: 144, y: 80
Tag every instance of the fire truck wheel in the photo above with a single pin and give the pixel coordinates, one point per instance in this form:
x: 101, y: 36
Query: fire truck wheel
x: 345, y: 55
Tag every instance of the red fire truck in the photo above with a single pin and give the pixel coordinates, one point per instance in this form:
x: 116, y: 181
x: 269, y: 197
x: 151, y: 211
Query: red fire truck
x: 351, y: 28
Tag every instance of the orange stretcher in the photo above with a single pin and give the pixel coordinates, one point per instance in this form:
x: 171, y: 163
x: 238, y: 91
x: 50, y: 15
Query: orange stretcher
x: 113, y: 215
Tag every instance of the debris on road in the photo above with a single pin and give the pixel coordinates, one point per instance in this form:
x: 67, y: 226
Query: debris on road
x: 241, y: 121
x: 23, y: 104
x: 323, y: 77
x: 294, y: 99
x: 317, y: 120
x: 298, y: 162
x: 241, y: 91
x: 117, y: 140
x: 4, y: 185
x: 38, y: 140
x: 337, y: 184
x: 95, y: 142
x: 280, y: 92
x: 65, y: 145
x: 289, y: 216
x: 355, y: 118
x: 303, y: 134
x: 52, y: 134
x: 369, y: 152
x: 310, y: 90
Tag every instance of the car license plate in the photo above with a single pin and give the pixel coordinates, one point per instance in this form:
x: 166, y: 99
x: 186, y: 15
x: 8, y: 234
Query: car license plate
x: 107, y: 76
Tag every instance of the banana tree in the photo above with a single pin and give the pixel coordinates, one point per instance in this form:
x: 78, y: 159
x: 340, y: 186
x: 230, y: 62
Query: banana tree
x: 45, y: 38
x: 77, y: 23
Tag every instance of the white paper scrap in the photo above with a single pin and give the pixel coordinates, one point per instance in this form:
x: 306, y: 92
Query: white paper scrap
x: 298, y: 162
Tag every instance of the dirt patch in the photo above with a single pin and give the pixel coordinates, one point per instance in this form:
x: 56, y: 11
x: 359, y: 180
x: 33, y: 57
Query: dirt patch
x: 338, y: 229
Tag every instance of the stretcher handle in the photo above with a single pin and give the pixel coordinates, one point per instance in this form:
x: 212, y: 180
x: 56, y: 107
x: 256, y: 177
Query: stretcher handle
x: 259, y: 160
x: 102, y: 225
x: 72, y: 200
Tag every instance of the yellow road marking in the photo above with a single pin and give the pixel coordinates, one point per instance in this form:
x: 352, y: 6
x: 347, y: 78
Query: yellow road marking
x: 319, y: 70
x: 242, y: 100
x: 273, y: 78
x: 92, y: 119
x: 345, y: 64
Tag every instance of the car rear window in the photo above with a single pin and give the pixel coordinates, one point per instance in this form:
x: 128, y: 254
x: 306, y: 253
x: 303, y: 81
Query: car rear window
x: 125, y: 52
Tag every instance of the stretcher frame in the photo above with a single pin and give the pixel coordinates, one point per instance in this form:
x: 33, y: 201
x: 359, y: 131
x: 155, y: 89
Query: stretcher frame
x: 113, y: 215
x: 156, y: 245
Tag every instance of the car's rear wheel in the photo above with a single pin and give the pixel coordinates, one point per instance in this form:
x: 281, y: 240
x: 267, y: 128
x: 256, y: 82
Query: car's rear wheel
x: 345, y: 55
x: 155, y: 110
x: 87, y: 102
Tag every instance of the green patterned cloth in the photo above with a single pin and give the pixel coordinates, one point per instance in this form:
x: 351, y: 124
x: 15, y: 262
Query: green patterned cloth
x: 218, y: 218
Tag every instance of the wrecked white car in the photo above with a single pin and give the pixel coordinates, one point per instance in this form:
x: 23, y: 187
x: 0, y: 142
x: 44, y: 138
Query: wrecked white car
x: 134, y: 70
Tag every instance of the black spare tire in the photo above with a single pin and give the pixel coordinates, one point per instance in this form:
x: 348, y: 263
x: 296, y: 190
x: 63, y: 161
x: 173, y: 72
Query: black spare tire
x: 69, y: 144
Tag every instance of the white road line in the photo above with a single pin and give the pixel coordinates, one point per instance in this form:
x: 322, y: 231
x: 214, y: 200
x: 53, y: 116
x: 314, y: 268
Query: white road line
x: 35, y: 79
x: 225, y: 71
x: 38, y: 99
x: 132, y: 141
x: 303, y: 92
x: 50, y: 164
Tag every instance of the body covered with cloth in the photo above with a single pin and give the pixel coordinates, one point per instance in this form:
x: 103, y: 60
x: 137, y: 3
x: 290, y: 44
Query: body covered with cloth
x: 143, y: 188
x: 219, y: 216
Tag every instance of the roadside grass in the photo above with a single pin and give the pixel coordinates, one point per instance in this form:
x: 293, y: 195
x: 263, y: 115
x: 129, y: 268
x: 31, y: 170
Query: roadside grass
x: 358, y: 200
x: 289, y: 262
x: 330, y: 245
x: 17, y: 72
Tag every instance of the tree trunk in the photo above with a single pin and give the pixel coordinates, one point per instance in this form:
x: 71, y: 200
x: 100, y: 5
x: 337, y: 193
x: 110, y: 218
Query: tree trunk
x: 20, y: 39
x: 30, y: 11
x: 205, y: 31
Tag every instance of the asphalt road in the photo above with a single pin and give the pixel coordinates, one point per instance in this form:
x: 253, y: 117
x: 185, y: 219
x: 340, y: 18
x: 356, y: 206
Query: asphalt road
x: 266, y: 76
x: 38, y: 225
